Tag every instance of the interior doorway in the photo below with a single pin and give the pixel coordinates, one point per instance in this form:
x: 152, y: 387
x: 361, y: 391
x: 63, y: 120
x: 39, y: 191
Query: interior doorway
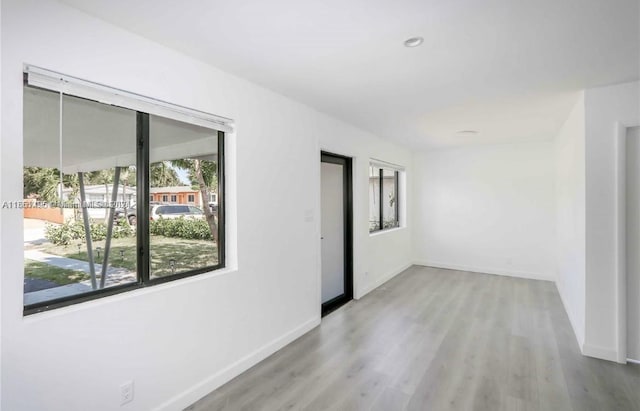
x: 632, y: 251
x: 336, y: 231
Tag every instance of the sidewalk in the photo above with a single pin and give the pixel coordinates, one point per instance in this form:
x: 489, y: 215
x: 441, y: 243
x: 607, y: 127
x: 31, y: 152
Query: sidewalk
x: 115, y: 276
x: 34, y: 231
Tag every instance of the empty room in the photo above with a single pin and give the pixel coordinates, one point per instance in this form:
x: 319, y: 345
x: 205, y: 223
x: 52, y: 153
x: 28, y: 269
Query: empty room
x: 332, y: 205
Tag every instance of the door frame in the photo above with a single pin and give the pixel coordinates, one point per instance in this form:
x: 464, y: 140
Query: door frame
x: 347, y: 187
x: 621, y: 238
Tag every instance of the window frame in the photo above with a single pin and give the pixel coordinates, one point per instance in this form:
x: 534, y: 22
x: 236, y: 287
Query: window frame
x: 143, y: 200
x: 396, y: 206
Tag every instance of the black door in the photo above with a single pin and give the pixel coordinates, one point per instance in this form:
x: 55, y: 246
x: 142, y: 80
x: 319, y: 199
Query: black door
x: 336, y: 223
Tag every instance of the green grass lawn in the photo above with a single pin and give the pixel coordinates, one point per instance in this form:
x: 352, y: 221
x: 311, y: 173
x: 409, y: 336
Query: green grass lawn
x: 188, y: 254
x: 60, y: 276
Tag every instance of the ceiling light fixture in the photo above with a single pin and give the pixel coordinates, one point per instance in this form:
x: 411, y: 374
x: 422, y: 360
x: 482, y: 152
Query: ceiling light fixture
x: 413, y: 42
x: 467, y: 133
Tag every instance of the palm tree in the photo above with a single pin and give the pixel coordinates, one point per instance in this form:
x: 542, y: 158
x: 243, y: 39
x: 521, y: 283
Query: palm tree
x: 161, y: 174
x: 41, y: 183
x: 203, y: 175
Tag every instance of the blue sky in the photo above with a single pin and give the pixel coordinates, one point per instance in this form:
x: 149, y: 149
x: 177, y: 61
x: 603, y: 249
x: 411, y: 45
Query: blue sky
x: 183, y: 175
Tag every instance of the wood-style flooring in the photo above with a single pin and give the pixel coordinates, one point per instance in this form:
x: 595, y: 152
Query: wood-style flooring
x: 433, y: 339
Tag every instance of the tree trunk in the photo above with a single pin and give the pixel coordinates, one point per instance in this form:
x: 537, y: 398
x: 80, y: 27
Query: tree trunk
x: 125, y: 204
x: 210, y: 217
x: 107, y: 198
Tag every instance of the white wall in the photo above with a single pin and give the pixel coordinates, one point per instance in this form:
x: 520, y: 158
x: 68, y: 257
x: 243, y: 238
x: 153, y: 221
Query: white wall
x: 488, y: 209
x: 180, y: 340
x: 1, y: 345
x: 604, y: 107
x: 377, y: 257
x: 570, y: 216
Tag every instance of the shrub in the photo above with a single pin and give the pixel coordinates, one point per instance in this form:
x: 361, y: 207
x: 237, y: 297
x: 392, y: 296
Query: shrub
x: 122, y: 229
x: 181, y: 227
x: 98, y: 231
x: 65, y: 233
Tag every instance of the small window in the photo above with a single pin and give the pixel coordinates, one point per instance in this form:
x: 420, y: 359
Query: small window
x: 191, y: 198
x: 165, y: 198
x: 151, y: 197
x: 174, y: 198
x: 383, y: 198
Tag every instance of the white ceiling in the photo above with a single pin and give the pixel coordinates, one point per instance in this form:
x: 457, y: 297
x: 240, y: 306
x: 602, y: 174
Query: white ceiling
x: 509, y: 69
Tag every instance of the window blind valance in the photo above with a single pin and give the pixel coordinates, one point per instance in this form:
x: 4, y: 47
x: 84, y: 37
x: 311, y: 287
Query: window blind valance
x: 384, y: 164
x: 51, y: 80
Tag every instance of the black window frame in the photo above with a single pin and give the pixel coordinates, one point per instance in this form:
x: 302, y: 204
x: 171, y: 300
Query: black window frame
x: 396, y: 179
x: 143, y: 200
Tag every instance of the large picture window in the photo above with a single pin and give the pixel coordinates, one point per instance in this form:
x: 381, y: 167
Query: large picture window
x: 383, y: 198
x: 91, y: 225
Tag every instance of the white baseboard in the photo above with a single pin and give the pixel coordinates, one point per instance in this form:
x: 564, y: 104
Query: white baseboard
x: 380, y: 281
x: 600, y: 352
x: 571, y: 320
x: 193, y: 394
x: 485, y: 270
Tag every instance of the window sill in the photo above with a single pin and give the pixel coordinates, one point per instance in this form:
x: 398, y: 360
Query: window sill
x: 388, y: 230
x: 133, y: 291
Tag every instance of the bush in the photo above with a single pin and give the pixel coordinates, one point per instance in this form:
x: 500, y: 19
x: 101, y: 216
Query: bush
x: 98, y: 231
x: 65, y: 233
x: 181, y: 227
x: 122, y: 229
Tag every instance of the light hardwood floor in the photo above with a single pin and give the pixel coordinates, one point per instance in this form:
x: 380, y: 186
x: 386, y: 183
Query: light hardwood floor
x: 433, y: 339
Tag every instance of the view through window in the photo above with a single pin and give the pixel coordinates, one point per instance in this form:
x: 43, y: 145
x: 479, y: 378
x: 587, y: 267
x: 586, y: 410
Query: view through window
x: 95, y: 221
x: 383, y: 198
x: 184, y: 233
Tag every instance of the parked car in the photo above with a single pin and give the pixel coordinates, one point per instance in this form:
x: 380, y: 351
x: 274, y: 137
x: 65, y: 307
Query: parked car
x: 175, y: 211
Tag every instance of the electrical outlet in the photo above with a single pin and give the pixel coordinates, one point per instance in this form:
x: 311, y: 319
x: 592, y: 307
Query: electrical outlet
x: 126, y: 392
x: 308, y: 216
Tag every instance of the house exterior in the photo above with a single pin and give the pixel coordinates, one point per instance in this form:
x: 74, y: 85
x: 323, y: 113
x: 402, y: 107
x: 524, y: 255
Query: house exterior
x: 102, y: 193
x: 180, y: 195
x: 97, y: 198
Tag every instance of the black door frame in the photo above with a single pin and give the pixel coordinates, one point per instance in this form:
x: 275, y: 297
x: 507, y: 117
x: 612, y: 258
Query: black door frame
x: 347, y: 180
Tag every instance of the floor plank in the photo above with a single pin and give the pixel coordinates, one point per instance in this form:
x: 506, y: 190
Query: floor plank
x: 434, y: 339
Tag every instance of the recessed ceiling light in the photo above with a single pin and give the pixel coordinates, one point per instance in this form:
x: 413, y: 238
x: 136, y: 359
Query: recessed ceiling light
x: 413, y: 42
x: 467, y: 133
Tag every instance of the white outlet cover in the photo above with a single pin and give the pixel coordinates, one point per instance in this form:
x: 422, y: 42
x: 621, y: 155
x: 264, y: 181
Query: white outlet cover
x: 308, y: 216
x: 126, y: 392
